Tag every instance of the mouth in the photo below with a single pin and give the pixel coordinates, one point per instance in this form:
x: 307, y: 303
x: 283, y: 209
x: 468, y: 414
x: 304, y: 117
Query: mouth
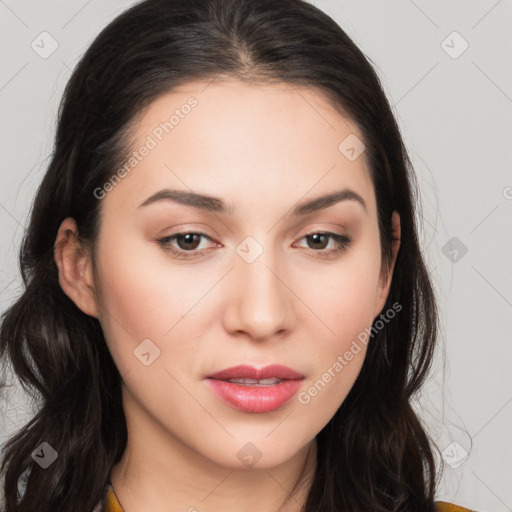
x: 254, y: 382
x: 254, y: 390
x: 248, y: 372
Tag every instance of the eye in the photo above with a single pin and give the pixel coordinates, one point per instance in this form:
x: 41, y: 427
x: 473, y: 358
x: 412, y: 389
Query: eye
x: 321, y: 239
x: 188, y: 244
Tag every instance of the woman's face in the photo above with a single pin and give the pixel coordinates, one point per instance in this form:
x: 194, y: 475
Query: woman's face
x: 254, y: 283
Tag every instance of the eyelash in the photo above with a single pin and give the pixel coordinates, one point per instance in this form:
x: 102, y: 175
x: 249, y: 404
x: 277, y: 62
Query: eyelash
x: 344, y: 241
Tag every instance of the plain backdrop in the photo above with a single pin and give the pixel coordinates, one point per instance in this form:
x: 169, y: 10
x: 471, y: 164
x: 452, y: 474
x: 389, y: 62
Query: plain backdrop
x: 446, y: 68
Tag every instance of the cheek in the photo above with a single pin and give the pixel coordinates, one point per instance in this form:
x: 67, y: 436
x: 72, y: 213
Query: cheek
x: 145, y: 297
x: 344, y: 294
x: 343, y: 298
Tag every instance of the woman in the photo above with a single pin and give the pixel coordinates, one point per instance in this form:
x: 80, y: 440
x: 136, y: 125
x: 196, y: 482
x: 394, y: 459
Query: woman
x: 226, y: 305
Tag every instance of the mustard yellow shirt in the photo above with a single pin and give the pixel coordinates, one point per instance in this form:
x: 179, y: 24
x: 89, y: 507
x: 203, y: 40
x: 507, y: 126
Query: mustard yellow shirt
x: 110, y: 504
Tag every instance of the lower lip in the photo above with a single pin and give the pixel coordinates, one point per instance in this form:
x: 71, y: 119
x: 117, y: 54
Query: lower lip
x: 255, y: 398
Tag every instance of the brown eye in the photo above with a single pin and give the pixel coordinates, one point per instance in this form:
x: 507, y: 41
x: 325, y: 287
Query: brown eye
x: 318, y: 240
x: 186, y: 245
x: 188, y: 241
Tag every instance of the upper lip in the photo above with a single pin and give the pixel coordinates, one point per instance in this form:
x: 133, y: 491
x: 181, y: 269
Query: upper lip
x: 250, y: 372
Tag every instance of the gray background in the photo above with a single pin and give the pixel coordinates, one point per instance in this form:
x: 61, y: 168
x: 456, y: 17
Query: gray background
x: 454, y: 108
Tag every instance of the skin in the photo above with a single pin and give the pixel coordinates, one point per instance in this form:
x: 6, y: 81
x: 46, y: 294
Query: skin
x: 261, y: 148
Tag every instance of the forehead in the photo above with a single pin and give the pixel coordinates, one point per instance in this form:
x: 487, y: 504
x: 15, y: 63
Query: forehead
x: 238, y: 140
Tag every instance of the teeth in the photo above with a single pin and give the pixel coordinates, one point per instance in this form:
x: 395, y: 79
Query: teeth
x: 254, y: 382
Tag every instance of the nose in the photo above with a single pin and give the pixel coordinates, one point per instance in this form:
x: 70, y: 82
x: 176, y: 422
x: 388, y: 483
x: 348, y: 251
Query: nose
x: 260, y: 302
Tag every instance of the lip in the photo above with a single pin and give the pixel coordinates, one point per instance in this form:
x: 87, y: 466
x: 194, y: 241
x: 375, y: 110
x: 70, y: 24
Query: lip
x: 255, y: 399
x: 251, y: 372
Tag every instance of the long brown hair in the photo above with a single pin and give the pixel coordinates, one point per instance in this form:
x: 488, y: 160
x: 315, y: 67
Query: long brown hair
x: 374, y: 454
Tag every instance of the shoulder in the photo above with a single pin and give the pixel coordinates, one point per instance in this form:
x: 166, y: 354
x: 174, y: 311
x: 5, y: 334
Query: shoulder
x: 443, y: 506
x: 108, y: 502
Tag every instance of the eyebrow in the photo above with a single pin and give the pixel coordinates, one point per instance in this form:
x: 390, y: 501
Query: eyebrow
x: 217, y: 205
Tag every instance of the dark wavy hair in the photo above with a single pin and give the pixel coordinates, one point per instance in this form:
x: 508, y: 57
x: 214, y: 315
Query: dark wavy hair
x: 374, y: 454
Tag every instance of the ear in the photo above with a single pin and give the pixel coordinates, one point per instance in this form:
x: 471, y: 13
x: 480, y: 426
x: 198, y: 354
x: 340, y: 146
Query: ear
x: 386, y: 277
x: 75, y: 268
